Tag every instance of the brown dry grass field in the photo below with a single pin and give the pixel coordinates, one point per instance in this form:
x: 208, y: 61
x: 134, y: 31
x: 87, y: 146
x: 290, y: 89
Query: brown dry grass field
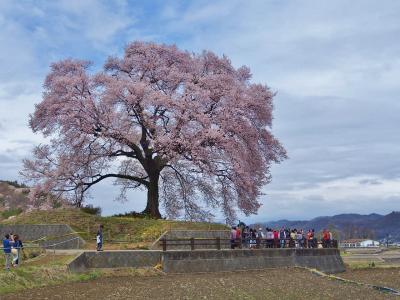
x: 388, y: 277
x: 46, y: 277
x: 266, y: 284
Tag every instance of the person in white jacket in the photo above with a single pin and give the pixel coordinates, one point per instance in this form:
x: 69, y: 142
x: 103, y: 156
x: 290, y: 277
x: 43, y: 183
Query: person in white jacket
x: 99, y: 238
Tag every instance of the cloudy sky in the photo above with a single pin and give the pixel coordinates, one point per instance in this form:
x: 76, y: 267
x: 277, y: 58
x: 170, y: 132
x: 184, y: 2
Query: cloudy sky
x: 335, y: 66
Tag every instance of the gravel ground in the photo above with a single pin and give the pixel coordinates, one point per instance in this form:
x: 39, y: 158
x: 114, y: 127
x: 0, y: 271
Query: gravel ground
x: 266, y: 284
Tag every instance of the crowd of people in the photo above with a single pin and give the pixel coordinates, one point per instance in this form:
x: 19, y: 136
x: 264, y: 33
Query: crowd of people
x: 12, y: 248
x: 245, y: 237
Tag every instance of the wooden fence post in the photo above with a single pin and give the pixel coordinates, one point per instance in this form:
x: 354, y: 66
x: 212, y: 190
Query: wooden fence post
x: 218, y: 240
x: 192, y: 244
x: 164, y: 244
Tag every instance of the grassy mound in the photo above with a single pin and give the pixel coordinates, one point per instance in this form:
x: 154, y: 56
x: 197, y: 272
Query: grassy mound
x: 41, y: 271
x: 128, y: 229
x: 49, y: 270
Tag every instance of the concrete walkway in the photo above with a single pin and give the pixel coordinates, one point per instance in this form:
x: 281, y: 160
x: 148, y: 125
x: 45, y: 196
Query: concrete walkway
x: 65, y: 251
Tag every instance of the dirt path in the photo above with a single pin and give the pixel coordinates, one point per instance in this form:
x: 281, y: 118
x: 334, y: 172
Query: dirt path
x: 267, y: 284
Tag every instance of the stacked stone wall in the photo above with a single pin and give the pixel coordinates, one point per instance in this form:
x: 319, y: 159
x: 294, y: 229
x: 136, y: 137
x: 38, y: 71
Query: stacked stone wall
x: 46, y: 235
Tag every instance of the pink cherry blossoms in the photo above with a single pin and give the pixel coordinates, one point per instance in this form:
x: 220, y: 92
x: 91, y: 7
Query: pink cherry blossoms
x: 188, y: 128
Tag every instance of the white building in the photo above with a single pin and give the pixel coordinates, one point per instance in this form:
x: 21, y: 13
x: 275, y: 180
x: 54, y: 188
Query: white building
x: 359, y: 243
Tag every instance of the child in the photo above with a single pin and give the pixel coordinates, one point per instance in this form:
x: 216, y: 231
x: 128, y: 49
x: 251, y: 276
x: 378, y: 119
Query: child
x: 99, y: 238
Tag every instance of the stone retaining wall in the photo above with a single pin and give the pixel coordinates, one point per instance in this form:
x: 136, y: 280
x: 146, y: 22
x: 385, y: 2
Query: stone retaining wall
x: 115, y: 259
x: 182, y: 261
x: 325, y: 260
x: 32, y: 232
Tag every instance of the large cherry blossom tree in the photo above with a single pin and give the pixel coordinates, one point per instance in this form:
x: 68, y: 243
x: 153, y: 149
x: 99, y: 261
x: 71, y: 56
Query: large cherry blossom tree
x: 189, y: 128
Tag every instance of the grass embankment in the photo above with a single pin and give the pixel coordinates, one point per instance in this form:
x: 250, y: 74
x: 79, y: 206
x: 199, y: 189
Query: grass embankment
x: 137, y: 231
x: 48, y: 270
x: 40, y: 271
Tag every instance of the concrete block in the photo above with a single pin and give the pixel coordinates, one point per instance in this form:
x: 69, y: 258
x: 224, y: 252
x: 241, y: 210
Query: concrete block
x: 115, y: 259
x: 184, y: 261
x: 326, y: 260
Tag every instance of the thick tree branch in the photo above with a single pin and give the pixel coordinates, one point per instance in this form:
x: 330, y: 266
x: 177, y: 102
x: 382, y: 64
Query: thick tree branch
x: 122, y: 176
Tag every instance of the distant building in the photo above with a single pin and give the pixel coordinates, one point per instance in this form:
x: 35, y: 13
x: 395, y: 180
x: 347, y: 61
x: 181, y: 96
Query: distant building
x: 359, y: 243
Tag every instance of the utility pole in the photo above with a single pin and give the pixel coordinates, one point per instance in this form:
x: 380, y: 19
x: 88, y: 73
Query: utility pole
x: 387, y: 240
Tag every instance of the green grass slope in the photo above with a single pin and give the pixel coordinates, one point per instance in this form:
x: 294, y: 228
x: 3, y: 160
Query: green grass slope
x: 134, y: 230
x: 38, y: 272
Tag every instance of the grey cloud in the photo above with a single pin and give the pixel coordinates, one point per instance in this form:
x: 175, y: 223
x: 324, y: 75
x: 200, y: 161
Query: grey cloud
x: 6, y: 159
x: 24, y: 142
x: 370, y: 182
x: 9, y: 167
x: 315, y: 198
x: 286, y: 206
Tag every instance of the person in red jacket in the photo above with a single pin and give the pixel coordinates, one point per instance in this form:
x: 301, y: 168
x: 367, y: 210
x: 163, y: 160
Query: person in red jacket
x: 310, y: 237
x: 233, y: 237
x: 238, y: 237
x: 325, y: 238
x: 276, y: 239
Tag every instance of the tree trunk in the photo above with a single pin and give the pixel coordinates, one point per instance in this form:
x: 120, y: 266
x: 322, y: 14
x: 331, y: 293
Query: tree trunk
x: 152, y: 207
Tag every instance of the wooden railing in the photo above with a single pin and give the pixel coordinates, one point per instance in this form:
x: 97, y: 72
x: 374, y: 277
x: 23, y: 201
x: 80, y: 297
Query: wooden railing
x: 217, y: 243
x: 192, y: 242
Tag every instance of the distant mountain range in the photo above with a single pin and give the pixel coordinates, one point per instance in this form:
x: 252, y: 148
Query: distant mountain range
x: 350, y: 225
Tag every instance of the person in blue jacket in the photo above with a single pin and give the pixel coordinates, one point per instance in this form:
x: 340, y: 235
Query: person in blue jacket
x: 7, y: 251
